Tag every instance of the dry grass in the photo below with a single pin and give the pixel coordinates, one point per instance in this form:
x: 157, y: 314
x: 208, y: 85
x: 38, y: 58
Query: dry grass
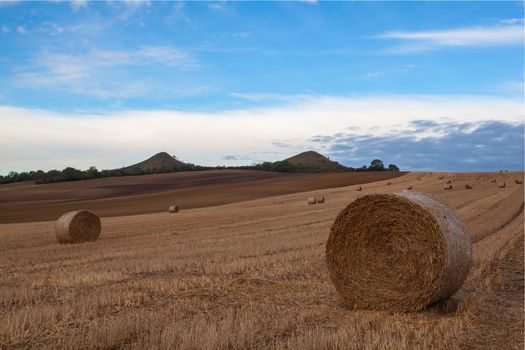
x: 250, y: 275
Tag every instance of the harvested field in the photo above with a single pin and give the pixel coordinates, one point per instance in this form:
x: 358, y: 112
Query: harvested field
x: 253, y: 275
x: 23, y: 202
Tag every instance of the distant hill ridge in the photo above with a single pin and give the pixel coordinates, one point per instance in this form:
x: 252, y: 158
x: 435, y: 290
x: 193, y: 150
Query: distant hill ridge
x: 314, y: 160
x: 161, y: 161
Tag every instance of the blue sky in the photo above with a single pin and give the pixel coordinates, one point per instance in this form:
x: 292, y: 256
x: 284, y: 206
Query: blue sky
x: 110, y: 83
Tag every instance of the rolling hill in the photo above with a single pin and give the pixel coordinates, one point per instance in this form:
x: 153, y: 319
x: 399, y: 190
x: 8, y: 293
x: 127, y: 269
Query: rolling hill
x: 314, y: 160
x: 160, y: 162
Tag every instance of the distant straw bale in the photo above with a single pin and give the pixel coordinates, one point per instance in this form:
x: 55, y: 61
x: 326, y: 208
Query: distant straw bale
x: 320, y: 199
x: 502, y: 185
x: 397, y: 252
x: 468, y: 187
x: 173, y: 209
x: 409, y: 188
x: 77, y: 227
x: 449, y: 181
x: 359, y: 188
x: 518, y: 182
x: 447, y: 187
x: 312, y: 200
x: 441, y: 177
x: 493, y: 181
x: 389, y: 183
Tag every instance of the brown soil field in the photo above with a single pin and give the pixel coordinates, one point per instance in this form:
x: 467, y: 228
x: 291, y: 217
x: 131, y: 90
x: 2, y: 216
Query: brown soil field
x: 252, y: 275
x: 117, y: 196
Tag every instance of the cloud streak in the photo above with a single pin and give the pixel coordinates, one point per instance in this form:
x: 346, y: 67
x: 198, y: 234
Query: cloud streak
x: 478, y: 36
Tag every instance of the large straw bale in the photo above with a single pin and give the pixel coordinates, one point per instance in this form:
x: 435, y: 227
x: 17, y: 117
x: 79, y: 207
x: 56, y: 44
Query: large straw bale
x: 399, y: 251
x: 320, y: 199
x: 78, y: 226
x: 312, y: 200
x: 173, y: 209
x: 502, y: 184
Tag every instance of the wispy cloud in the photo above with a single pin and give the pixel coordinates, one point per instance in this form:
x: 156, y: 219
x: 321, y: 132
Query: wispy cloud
x: 498, y: 35
x: 320, y: 122
x: 93, y: 72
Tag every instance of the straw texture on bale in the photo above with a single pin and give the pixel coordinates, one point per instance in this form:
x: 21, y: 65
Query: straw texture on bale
x: 320, y: 199
x: 173, y: 209
x: 502, y: 185
x: 447, y: 187
x: 77, y: 227
x: 312, y: 200
x: 397, y: 252
x: 359, y: 188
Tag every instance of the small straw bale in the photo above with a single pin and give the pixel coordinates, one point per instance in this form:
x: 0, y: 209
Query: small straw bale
x: 447, y: 187
x: 502, y: 184
x: 312, y: 200
x: 320, y: 199
x: 409, y: 188
x: 173, y: 209
x: 449, y: 181
x: 493, y: 181
x: 518, y: 182
x: 468, y: 187
x: 399, y: 252
x: 359, y: 188
x: 77, y: 227
x: 389, y: 183
x: 441, y: 177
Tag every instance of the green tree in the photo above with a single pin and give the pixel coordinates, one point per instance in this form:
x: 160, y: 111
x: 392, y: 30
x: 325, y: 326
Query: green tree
x: 393, y: 167
x: 376, y: 165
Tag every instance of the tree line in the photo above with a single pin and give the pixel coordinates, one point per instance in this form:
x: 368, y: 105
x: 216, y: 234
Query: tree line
x: 72, y: 174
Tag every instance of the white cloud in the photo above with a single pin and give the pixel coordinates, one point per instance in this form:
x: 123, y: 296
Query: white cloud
x: 5, y: 29
x: 470, y: 36
x: 54, y: 140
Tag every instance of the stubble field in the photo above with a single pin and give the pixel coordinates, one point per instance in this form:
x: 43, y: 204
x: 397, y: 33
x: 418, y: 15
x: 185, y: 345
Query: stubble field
x: 252, y: 274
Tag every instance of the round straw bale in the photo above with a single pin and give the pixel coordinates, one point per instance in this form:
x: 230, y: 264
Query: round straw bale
x: 441, y: 177
x: 409, y: 188
x: 502, y: 185
x: 320, y: 199
x: 359, y: 188
x: 398, y: 252
x: 78, y: 226
x: 518, y: 182
x: 449, y: 181
x: 312, y: 200
x: 447, y: 187
x: 389, y: 183
x: 173, y: 209
x: 493, y: 181
x: 468, y: 187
